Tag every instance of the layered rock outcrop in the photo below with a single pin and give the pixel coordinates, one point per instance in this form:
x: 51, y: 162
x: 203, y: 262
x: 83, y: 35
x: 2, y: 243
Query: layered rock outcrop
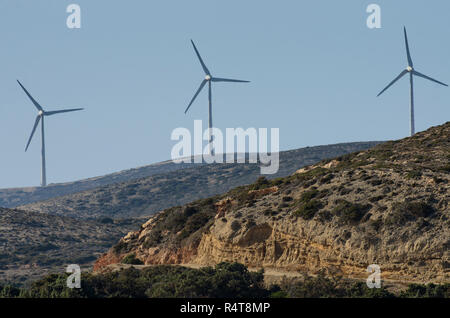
x: 385, y: 206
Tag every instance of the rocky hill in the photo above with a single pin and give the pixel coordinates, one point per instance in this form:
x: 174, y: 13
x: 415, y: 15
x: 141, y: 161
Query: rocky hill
x: 14, y: 197
x: 386, y: 206
x: 33, y: 244
x: 167, y: 186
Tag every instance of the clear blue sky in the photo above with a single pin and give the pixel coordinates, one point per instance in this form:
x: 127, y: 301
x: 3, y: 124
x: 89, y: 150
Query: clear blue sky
x: 315, y: 69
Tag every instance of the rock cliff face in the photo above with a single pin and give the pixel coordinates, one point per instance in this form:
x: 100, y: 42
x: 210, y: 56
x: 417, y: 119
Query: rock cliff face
x: 385, y: 206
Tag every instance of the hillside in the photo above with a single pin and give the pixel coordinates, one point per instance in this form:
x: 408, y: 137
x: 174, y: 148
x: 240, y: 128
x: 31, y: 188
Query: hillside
x: 146, y: 196
x: 33, y: 244
x: 386, y: 206
x: 14, y: 197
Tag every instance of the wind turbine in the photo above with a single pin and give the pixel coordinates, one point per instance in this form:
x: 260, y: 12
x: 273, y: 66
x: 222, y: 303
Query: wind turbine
x: 208, y: 79
x: 40, y: 117
x: 410, y: 69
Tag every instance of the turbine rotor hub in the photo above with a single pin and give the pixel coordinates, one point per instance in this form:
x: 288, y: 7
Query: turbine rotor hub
x: 208, y: 77
x: 409, y: 69
x: 41, y: 112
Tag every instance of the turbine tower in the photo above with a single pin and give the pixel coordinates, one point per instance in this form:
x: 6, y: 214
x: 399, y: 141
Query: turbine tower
x: 208, y: 79
x: 40, y: 117
x: 410, y: 69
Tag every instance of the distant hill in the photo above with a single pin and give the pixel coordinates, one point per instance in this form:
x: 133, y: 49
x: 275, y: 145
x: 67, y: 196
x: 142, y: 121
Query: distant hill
x: 14, y: 197
x: 388, y: 205
x: 75, y: 229
x: 33, y: 244
x: 147, y: 190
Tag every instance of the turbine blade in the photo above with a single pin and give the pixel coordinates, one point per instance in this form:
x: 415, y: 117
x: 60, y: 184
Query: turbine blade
x: 410, y: 62
x: 428, y: 78
x: 196, y: 94
x: 31, y: 97
x: 205, y: 69
x: 38, y: 118
x: 218, y: 79
x: 62, y: 111
x: 392, y: 83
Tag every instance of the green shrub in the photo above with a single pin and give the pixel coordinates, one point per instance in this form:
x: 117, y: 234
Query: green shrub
x: 121, y: 247
x: 225, y: 280
x: 261, y: 183
x: 132, y: 260
x: 309, y: 195
x: 327, y: 178
x: 235, y: 225
x: 308, y: 209
x: 189, y: 211
x: 427, y: 291
x: 414, y: 174
x: 376, y: 198
x: 382, y: 153
x: 324, y: 287
x: 313, y: 287
x: 445, y: 168
x: 106, y: 220
x: 349, y: 212
x: 152, y: 239
x: 417, y: 209
x: 360, y: 290
x: 375, y: 181
x: 9, y: 291
x: 325, y: 216
x: 196, y: 221
x: 279, y: 294
x: 409, y: 211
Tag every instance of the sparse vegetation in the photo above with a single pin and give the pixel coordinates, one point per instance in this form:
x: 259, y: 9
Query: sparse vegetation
x: 414, y: 174
x: 401, y: 184
x: 261, y: 183
x: 426, y: 291
x: 349, y: 212
x: 324, y: 287
x: 308, y: 210
x: 225, y: 280
x: 235, y: 225
x: 409, y: 211
x: 309, y: 195
x: 48, y: 242
x: 132, y: 260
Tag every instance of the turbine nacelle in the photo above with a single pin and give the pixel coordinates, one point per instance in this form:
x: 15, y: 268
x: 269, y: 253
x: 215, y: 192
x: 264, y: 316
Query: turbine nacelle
x: 208, y: 79
x: 409, y: 69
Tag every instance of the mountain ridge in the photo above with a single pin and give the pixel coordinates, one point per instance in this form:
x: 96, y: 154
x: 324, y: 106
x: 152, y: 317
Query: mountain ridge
x: 148, y: 195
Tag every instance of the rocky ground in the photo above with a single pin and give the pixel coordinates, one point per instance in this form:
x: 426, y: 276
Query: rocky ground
x: 34, y: 244
x: 76, y: 228
x: 386, y: 206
